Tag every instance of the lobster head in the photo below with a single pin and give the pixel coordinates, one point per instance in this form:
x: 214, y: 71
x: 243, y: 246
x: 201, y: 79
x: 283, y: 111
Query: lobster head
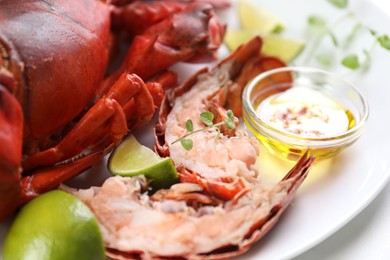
x: 56, y: 53
x: 53, y: 55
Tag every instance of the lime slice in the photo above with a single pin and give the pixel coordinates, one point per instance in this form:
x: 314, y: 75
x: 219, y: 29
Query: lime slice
x: 55, y: 225
x: 131, y: 158
x: 285, y: 49
x: 254, y: 17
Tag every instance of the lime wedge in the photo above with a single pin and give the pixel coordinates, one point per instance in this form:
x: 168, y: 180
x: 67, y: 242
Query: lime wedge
x: 284, y: 48
x: 254, y: 17
x: 131, y: 158
x: 55, y: 225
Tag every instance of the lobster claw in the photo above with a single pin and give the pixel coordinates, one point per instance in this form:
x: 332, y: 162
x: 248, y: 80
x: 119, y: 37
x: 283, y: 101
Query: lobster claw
x: 148, y: 56
x: 136, y: 16
x: 191, y: 35
x: 218, y: 4
x: 11, y: 121
x: 196, y: 28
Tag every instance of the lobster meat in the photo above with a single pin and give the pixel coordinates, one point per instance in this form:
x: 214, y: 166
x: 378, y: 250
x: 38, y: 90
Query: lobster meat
x: 224, y: 165
x: 137, y: 226
x: 220, y: 207
x: 61, y: 110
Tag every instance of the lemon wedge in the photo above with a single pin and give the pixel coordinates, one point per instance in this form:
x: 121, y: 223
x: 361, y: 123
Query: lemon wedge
x: 254, y: 17
x: 131, y: 158
x: 284, y: 48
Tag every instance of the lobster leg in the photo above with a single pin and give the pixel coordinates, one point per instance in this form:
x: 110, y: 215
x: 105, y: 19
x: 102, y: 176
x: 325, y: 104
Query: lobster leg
x: 158, y: 86
x: 253, y: 67
x: 48, y: 179
x: 106, y: 116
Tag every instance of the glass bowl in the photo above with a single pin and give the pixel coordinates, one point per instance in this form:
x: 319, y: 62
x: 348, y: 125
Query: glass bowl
x: 312, y: 88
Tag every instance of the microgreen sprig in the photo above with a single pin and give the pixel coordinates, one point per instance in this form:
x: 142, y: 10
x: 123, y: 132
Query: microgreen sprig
x: 207, y: 118
x: 339, y: 3
x: 351, y: 60
x: 384, y: 41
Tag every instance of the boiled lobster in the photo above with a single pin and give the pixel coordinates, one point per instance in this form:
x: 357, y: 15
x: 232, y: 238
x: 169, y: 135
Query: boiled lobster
x: 60, y: 109
x: 221, y: 207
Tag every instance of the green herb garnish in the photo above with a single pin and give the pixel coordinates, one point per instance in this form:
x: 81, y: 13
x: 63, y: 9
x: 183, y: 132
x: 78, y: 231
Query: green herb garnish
x: 384, y: 41
x: 186, y: 143
x: 316, y: 21
x: 339, y: 3
x: 324, y: 59
x: 207, y: 118
x: 352, y: 35
x: 351, y: 61
x: 323, y: 29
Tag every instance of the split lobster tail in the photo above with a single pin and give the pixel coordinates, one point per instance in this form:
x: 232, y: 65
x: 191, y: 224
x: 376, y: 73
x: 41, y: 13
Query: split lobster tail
x: 213, y: 229
x: 226, y: 83
x: 296, y: 176
x: 220, y: 207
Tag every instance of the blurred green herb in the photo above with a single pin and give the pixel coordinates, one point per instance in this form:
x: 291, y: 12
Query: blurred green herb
x: 352, y: 60
x: 352, y: 35
x: 324, y: 59
x: 320, y: 26
x: 207, y: 118
x: 339, y: 3
x: 384, y: 41
x: 316, y: 21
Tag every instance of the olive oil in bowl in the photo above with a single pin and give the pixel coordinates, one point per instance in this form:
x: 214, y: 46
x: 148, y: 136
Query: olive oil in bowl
x: 310, y: 109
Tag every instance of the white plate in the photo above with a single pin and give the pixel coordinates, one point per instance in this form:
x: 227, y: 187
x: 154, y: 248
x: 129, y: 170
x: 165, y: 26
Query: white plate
x: 336, y: 190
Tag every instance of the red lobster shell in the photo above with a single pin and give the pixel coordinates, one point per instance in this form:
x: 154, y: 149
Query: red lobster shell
x: 59, y: 114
